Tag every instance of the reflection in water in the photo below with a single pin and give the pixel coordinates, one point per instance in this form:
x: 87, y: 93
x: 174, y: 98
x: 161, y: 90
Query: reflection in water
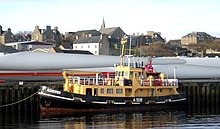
x: 120, y: 120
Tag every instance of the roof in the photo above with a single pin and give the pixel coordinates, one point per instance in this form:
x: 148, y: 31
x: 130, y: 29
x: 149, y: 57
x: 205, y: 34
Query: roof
x: 93, y: 39
x: 158, y: 37
x: 66, y: 45
x: 108, y: 31
x: 94, y: 32
x: 77, y: 52
x: 8, y: 49
x: 70, y: 51
x: 203, y: 34
x: 57, y: 49
x: 174, y: 42
x: 31, y: 43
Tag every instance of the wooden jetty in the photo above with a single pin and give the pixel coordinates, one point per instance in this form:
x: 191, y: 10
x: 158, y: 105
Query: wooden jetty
x: 203, y: 98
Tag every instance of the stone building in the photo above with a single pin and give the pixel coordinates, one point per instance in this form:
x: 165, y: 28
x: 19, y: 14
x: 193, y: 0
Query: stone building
x: 196, y: 38
x: 154, y: 37
x: 6, y: 36
x: 113, y: 32
x: 47, y: 35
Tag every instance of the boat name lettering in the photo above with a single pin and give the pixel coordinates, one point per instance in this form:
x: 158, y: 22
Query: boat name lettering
x: 53, y: 91
x: 137, y: 100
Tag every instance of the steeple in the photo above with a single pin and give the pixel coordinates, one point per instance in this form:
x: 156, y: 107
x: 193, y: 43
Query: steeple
x: 103, y: 24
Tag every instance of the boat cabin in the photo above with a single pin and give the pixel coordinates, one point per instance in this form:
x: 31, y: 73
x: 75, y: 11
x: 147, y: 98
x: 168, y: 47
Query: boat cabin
x: 128, y: 81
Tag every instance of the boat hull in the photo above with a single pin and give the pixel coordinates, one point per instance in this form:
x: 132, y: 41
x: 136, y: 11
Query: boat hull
x: 60, y: 103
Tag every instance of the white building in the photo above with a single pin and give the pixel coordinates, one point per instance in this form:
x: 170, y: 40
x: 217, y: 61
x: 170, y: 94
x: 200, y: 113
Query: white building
x: 98, y: 45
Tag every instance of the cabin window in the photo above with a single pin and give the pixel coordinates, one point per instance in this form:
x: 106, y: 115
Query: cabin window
x: 95, y: 92
x: 131, y: 74
x: 170, y: 90
x: 109, y: 91
x: 88, y: 91
x: 122, y: 73
x: 119, y: 91
x: 135, y: 74
x: 139, y: 74
x: 160, y: 90
x: 102, y: 91
x: 117, y: 73
x: 126, y: 73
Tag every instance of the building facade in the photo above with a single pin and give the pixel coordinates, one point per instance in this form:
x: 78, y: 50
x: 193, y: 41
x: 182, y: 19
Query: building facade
x: 113, y: 33
x: 98, y: 45
x: 7, y: 36
x: 196, y: 38
x: 29, y: 45
x: 47, y: 35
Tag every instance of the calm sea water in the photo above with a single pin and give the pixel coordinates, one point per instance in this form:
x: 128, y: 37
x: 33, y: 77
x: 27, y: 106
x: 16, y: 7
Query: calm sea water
x: 161, y: 119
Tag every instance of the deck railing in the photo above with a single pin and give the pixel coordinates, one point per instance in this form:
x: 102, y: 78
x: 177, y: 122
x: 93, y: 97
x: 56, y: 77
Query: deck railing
x: 111, y: 81
x: 170, y: 82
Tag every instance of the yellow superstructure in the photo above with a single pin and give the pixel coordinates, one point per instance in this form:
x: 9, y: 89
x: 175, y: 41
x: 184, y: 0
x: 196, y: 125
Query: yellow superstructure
x: 128, y: 81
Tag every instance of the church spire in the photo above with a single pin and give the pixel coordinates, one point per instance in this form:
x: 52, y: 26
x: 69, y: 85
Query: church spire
x: 103, y: 24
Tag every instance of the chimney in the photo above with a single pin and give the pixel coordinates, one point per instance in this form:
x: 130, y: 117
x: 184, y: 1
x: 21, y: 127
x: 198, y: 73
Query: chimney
x: 55, y: 28
x: 37, y: 27
x: 48, y: 27
x: 9, y: 29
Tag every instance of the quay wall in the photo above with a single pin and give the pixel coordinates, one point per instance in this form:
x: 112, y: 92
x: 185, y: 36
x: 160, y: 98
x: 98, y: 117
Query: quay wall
x: 203, y: 98
x: 22, y: 99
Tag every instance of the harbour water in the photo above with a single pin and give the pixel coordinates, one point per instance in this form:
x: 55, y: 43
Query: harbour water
x: 137, y: 120
x: 202, y: 111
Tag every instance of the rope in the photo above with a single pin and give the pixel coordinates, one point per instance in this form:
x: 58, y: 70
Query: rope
x: 6, y: 105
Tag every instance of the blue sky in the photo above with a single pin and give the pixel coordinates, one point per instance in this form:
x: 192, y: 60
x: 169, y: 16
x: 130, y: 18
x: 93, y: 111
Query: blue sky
x: 173, y: 18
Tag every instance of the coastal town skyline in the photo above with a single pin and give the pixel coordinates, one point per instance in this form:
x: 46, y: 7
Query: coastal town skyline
x: 172, y: 18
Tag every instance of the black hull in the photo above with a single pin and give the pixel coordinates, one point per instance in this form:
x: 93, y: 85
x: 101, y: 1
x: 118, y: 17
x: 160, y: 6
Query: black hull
x: 66, y: 103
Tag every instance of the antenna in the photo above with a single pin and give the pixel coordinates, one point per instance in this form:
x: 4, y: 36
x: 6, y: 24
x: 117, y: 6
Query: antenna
x: 129, y: 58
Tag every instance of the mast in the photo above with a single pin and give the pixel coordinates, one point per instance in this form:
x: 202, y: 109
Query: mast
x: 123, y: 42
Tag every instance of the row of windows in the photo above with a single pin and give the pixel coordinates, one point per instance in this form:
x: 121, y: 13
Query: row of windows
x: 122, y: 73
x: 111, y: 91
x: 88, y: 46
x: 161, y: 90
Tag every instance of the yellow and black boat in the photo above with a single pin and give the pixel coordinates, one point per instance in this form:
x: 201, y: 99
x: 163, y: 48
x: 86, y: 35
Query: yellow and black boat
x: 132, y: 88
